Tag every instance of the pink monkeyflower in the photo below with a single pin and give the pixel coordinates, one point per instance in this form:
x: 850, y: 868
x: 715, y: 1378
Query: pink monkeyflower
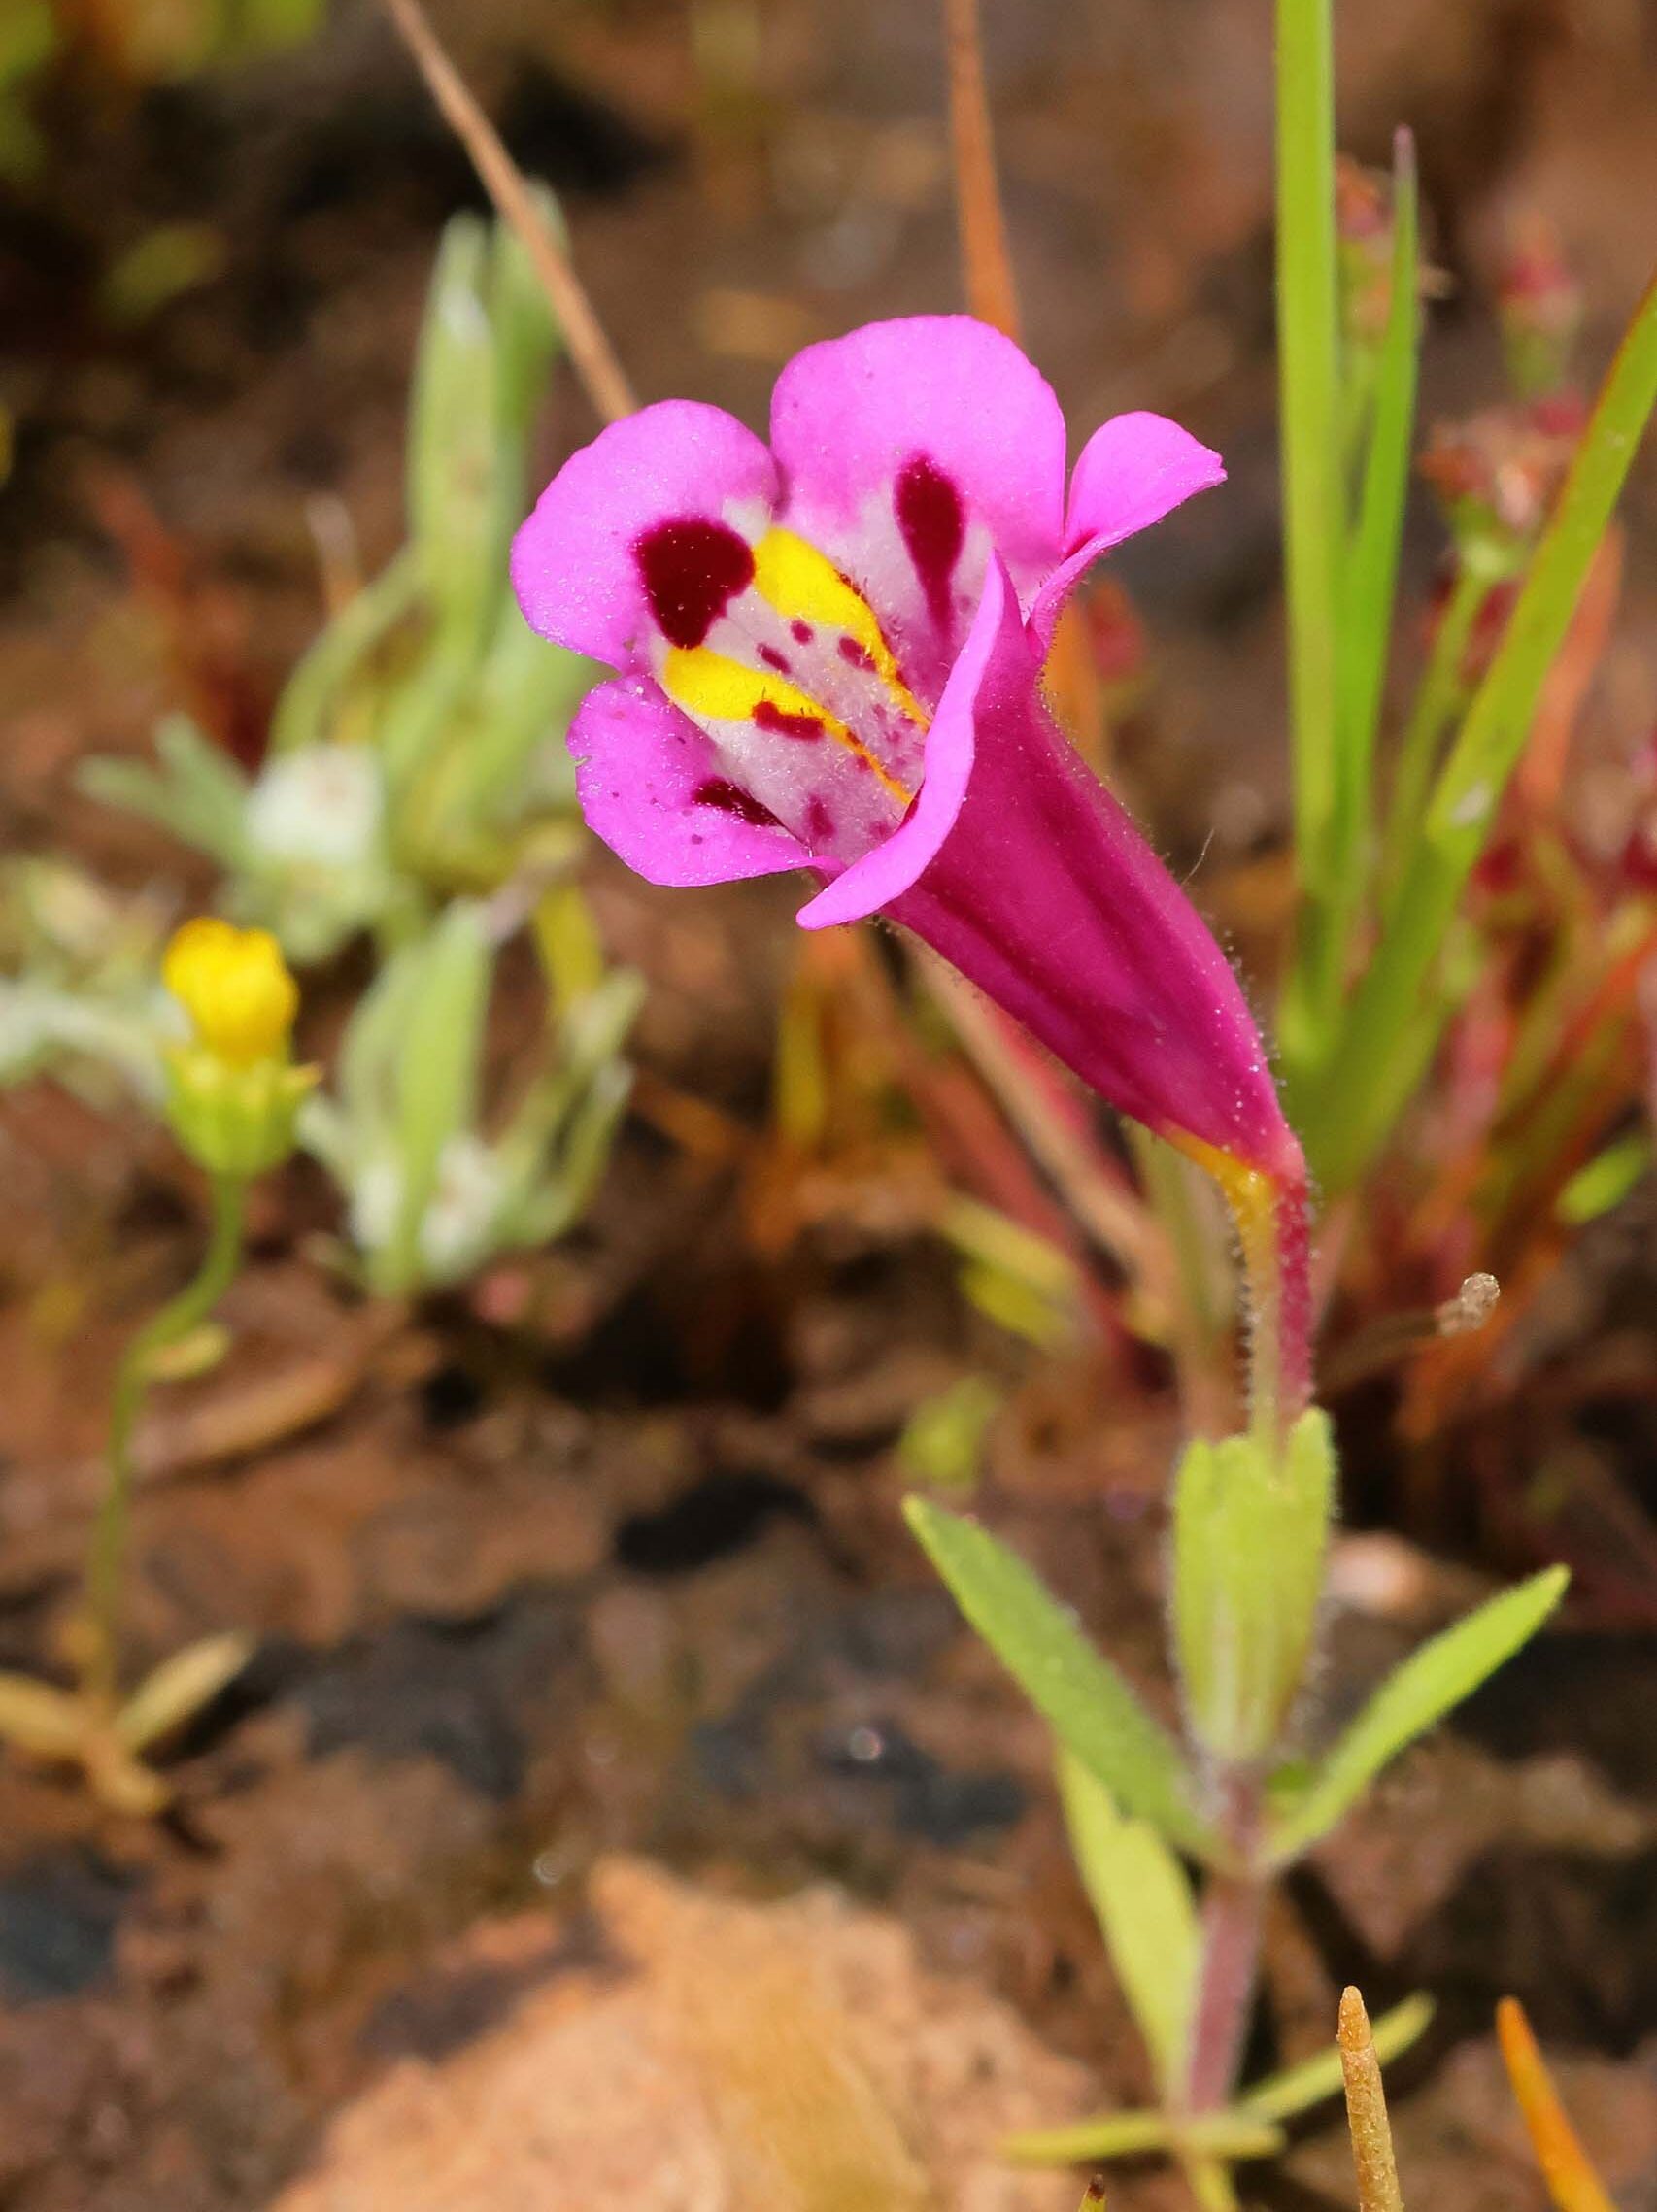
x: 828, y: 656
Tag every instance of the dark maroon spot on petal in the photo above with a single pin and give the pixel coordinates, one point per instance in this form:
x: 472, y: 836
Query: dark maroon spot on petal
x: 773, y: 658
x: 819, y: 824
x: 692, y: 569
x: 934, y: 529
x: 858, y: 655
x: 800, y: 633
x: 781, y: 723
x: 730, y: 798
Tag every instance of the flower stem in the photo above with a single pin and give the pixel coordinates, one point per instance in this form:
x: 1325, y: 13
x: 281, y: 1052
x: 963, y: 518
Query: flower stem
x: 107, y: 1553
x: 1274, y: 1234
x: 1233, y: 1907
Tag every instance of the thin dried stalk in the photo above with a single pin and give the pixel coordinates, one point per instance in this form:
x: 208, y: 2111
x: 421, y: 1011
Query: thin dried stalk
x: 590, y: 353
x: 1367, y: 2110
x: 1567, y: 2168
x: 986, y: 264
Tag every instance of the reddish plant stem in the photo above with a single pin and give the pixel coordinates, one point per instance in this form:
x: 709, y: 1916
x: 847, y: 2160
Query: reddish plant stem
x: 1234, y: 1909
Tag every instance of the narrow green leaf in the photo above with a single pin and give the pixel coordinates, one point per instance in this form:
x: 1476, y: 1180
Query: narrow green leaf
x: 1282, y: 2096
x: 1371, y: 581
x: 304, y: 713
x: 1348, y: 1114
x: 1314, y: 521
x: 1605, y: 1181
x: 1141, y: 1897
x: 1231, y: 2135
x: 1089, y: 1707
x: 197, y: 794
x: 1429, y: 1683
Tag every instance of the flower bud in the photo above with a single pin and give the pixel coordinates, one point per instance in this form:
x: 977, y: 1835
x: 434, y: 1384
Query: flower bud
x: 233, y: 1095
x: 1540, y: 306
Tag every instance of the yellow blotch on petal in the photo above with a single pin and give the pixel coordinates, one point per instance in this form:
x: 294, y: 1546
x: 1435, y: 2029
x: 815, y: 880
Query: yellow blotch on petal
x: 803, y: 584
x: 705, y: 682
x: 235, y: 987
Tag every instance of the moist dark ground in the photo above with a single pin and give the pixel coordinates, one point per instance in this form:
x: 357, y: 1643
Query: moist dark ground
x: 635, y: 1578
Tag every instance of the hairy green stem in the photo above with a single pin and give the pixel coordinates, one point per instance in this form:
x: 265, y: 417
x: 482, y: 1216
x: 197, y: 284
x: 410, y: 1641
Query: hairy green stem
x: 106, y: 1555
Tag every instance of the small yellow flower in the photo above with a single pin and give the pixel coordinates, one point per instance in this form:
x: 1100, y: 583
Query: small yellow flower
x: 235, y: 987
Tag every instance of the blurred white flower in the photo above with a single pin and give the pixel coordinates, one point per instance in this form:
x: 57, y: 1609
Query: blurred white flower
x: 321, y: 807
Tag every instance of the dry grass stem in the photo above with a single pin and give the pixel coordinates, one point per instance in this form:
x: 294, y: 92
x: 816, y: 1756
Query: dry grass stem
x: 602, y: 377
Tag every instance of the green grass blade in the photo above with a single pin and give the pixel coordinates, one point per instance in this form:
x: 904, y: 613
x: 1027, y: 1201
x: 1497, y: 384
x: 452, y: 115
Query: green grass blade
x: 1308, y: 369
x: 1347, y: 1117
x: 1083, y: 1700
x: 1370, y: 582
x: 1431, y: 1682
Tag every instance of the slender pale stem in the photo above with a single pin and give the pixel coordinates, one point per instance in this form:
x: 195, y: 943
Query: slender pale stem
x: 106, y: 1555
x: 590, y: 353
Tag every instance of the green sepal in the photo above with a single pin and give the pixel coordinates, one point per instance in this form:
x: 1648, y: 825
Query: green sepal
x: 236, y: 1121
x: 1250, y: 1531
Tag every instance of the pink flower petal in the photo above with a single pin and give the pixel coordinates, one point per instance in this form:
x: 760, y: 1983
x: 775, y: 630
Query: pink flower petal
x: 889, y: 870
x: 1028, y: 875
x: 651, y: 787
x: 576, y: 561
x: 1133, y: 471
x: 908, y: 451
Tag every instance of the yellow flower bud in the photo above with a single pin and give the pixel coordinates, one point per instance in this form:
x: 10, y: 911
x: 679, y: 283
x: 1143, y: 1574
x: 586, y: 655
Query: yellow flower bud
x: 235, y: 987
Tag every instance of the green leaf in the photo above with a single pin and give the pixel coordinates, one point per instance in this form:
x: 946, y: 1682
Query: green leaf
x: 1371, y: 581
x: 1348, y: 1114
x: 304, y: 712
x: 1283, y: 2094
x: 1124, y: 2135
x: 1314, y: 526
x: 1605, y: 1181
x: 1429, y: 1683
x: 196, y: 794
x: 1083, y: 1700
x: 1141, y: 1897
